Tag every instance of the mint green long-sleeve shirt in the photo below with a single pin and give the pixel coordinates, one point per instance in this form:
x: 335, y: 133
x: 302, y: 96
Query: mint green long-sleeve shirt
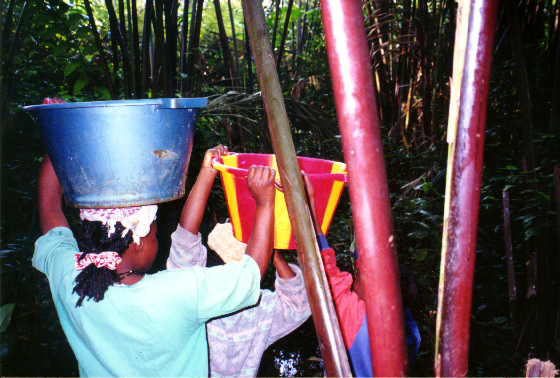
x: 155, y: 327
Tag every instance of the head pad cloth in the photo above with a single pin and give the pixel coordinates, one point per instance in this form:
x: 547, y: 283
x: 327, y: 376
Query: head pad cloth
x: 222, y: 241
x: 136, y: 219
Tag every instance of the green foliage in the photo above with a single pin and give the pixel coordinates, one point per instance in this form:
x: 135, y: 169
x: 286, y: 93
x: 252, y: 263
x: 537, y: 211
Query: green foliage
x: 6, y: 315
x: 57, y: 56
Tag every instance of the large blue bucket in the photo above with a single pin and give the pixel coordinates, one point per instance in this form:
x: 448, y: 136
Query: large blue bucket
x: 119, y: 153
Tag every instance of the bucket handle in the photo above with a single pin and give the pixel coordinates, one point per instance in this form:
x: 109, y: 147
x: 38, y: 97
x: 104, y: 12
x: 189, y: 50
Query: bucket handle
x: 217, y: 163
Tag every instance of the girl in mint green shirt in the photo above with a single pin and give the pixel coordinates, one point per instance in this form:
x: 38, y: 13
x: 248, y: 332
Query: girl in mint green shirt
x: 138, y: 324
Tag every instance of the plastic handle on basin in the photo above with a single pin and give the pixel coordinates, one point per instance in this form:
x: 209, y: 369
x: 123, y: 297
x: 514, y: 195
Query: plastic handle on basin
x: 217, y: 163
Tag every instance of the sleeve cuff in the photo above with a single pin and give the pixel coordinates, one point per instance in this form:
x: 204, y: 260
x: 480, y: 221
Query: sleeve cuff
x: 182, y: 235
x: 322, y: 240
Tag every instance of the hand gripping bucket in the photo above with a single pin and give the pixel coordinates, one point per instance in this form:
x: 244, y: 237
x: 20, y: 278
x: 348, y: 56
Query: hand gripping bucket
x: 119, y: 153
x: 328, y: 178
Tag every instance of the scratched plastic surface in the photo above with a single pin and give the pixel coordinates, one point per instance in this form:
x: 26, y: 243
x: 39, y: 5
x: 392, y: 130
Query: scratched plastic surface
x: 119, y: 153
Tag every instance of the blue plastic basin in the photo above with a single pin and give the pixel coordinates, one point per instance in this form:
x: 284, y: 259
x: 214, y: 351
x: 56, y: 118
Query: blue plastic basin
x: 119, y: 153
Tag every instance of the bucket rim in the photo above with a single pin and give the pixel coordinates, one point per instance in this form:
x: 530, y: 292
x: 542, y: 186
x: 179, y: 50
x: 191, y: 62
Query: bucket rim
x: 164, y: 103
x: 218, y: 164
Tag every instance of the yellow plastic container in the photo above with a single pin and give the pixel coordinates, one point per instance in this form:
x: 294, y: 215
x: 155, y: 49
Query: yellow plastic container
x: 328, y: 178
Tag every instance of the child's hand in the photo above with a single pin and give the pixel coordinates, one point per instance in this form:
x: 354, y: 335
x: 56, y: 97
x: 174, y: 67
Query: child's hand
x: 211, y: 153
x: 261, y: 184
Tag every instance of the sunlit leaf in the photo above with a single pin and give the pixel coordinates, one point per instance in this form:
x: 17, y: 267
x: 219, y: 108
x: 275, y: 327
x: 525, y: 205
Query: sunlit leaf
x: 80, y: 84
x: 70, y: 67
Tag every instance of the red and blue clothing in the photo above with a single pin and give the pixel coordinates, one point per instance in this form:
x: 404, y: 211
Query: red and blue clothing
x: 351, y: 313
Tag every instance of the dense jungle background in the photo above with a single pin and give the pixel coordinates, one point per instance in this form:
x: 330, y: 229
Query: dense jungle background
x: 101, y: 50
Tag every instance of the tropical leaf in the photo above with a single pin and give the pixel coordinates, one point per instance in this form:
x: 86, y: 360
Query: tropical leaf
x: 6, y: 315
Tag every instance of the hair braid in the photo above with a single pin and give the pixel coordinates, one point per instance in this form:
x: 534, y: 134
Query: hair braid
x: 93, y: 282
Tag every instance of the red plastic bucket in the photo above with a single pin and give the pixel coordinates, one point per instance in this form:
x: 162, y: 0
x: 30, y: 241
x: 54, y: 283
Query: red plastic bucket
x: 328, y: 178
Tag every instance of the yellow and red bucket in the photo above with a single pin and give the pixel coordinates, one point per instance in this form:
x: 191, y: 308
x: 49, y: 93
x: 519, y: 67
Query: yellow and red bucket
x: 328, y: 178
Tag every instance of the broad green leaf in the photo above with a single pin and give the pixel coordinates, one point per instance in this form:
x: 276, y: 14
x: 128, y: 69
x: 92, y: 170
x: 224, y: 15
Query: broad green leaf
x: 61, y: 48
x: 71, y: 67
x: 418, y: 234
x: 532, y: 231
x: 6, y: 315
x: 90, y: 49
x: 83, y: 33
x: 500, y: 319
x: 80, y: 84
x: 421, y: 254
x: 74, y: 18
x: 104, y: 92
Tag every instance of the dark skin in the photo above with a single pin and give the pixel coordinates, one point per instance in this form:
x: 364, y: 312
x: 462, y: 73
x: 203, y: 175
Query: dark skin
x: 282, y: 268
x: 261, y: 184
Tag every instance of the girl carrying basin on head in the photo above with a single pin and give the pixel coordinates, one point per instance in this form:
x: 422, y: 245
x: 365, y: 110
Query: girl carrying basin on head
x: 139, y: 324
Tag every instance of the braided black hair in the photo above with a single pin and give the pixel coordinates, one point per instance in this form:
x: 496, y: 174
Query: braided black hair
x: 93, y: 282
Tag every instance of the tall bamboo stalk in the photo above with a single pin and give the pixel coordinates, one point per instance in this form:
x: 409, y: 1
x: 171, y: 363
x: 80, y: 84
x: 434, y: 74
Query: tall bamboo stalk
x: 146, y: 39
x: 194, y: 40
x: 359, y: 123
x: 275, y: 27
x: 284, y: 34
x: 471, y: 73
x: 100, y: 50
x: 248, y: 54
x: 234, y: 37
x: 226, y: 53
x: 136, y: 53
x: 171, y: 9
x: 120, y: 42
x: 512, y: 285
x: 183, y: 46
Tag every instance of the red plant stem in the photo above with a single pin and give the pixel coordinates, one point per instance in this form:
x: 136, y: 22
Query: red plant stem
x: 472, y: 62
x: 358, y: 118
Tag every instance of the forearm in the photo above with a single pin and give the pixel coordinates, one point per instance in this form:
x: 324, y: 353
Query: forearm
x: 50, y: 198
x: 260, y: 243
x: 282, y: 268
x: 193, y: 211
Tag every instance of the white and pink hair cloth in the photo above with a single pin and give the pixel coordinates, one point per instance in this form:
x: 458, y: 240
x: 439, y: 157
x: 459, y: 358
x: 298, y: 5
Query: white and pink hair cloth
x: 136, y: 219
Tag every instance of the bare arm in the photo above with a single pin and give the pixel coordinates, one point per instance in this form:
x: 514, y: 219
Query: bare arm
x: 260, y: 182
x: 282, y: 267
x: 193, y: 211
x: 50, y: 198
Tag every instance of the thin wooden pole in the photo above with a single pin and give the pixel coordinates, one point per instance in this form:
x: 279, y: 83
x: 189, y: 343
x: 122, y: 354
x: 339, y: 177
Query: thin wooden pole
x: 324, y: 315
x: 469, y: 93
x: 358, y: 117
x: 509, y: 260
